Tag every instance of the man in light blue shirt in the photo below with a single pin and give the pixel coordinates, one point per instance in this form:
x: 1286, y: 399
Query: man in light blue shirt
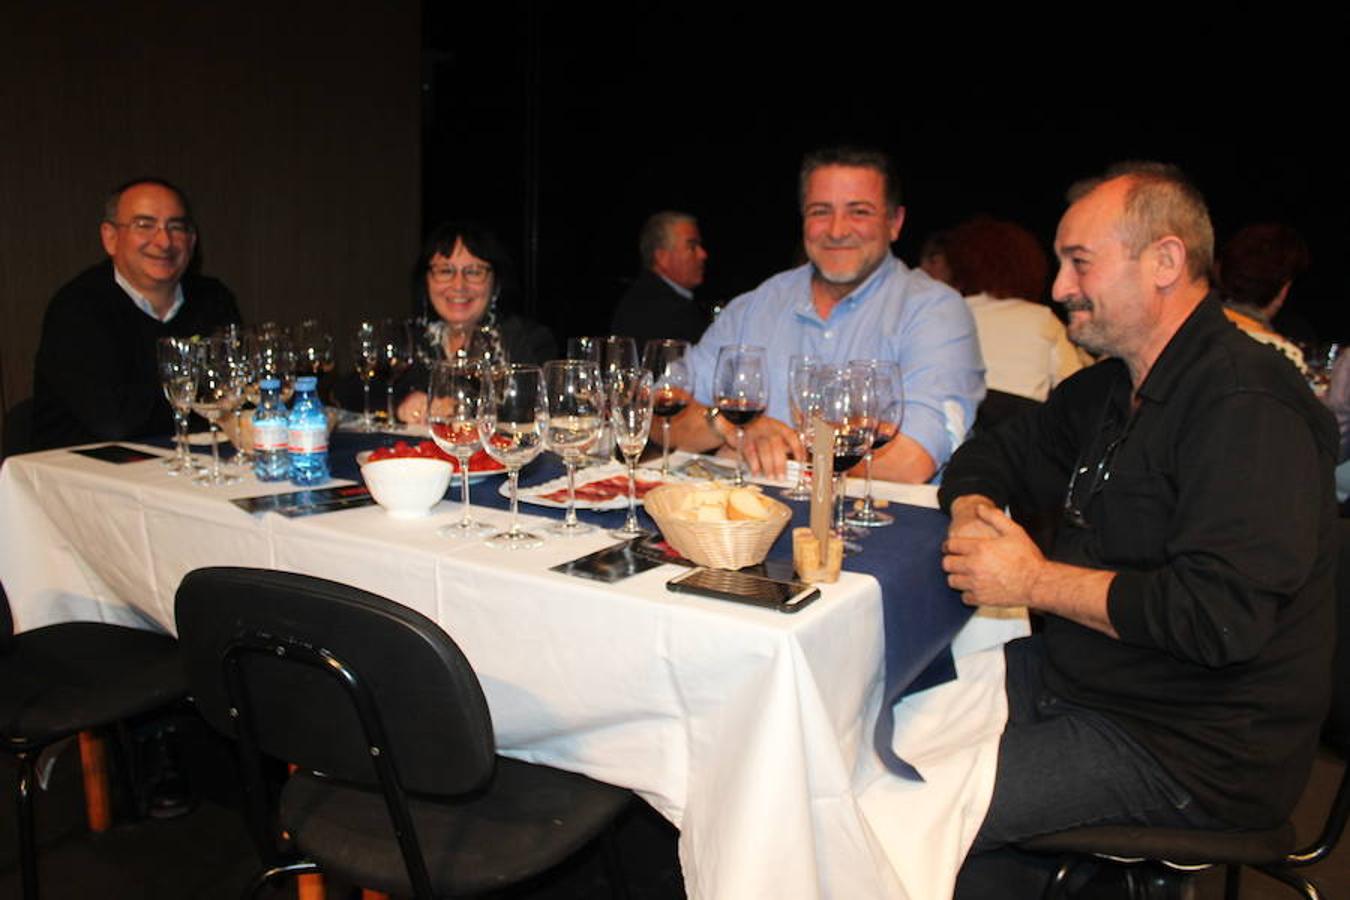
x: 853, y: 300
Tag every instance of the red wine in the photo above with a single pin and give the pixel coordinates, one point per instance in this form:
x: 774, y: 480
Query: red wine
x: 881, y: 440
x: 739, y: 412
x: 845, y: 461
x: 667, y: 408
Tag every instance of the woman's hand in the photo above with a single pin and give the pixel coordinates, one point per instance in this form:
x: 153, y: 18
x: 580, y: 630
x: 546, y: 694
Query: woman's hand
x: 413, y: 409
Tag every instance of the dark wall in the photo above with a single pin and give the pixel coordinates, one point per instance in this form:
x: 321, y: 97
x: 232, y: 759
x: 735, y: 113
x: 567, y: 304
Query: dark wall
x: 293, y: 127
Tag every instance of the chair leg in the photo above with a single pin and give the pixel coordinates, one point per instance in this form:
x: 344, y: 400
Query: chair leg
x: 27, y: 834
x: 267, y: 875
x: 1308, y: 889
x: 97, y: 794
x: 1232, y: 882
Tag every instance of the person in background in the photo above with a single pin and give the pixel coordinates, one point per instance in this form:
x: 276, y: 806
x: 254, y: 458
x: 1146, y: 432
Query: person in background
x: 1181, y: 674
x: 933, y: 257
x: 1256, y: 269
x: 660, y: 303
x: 1000, y: 269
x: 96, y: 375
x: 852, y: 300
x: 464, y: 279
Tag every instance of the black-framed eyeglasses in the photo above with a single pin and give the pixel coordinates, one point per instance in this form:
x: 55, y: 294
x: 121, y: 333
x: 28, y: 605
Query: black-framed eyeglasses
x: 1077, y: 497
x: 148, y: 227
x: 474, y: 273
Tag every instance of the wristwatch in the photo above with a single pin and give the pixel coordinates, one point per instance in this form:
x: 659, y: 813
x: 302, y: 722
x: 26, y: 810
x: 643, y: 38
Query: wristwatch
x: 710, y: 415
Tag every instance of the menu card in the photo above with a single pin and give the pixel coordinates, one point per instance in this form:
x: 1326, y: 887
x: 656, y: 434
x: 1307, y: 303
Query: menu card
x: 308, y: 502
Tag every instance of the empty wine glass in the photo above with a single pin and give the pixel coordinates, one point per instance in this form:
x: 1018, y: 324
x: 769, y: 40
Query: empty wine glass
x: 216, y: 395
x: 803, y: 403
x: 396, y: 356
x: 848, y: 404
x: 313, y: 348
x: 366, y: 360
x: 177, y: 375
x: 630, y: 404
x: 455, y: 395
x: 511, y: 424
x: 576, y: 405
x: 668, y: 361
x: 890, y: 405
x: 741, y: 391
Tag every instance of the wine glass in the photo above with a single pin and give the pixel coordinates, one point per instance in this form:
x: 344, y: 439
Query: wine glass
x: 848, y: 404
x: 630, y: 406
x: 668, y: 361
x: 313, y: 348
x: 396, y: 353
x: 803, y: 403
x: 216, y: 394
x: 584, y: 348
x: 511, y: 424
x: 576, y: 406
x: 180, y: 386
x: 245, y: 381
x: 366, y: 345
x: 454, y: 399
x: 741, y: 391
x: 890, y: 405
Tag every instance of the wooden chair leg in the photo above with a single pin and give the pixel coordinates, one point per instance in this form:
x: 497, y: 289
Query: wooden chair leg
x: 310, y: 887
x: 97, y: 792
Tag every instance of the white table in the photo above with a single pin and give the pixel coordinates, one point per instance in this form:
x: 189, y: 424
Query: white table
x: 749, y: 730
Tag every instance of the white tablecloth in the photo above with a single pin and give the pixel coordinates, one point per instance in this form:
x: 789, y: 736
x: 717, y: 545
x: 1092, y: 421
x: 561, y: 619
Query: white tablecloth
x: 748, y: 729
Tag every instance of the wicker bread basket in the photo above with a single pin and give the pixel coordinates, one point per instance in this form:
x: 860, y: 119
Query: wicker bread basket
x: 721, y: 545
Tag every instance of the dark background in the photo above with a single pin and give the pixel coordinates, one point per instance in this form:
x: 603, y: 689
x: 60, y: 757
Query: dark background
x: 708, y: 108
x: 319, y: 141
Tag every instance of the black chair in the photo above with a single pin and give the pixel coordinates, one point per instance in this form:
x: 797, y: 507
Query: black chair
x: 399, y: 787
x: 63, y: 679
x: 1171, y: 854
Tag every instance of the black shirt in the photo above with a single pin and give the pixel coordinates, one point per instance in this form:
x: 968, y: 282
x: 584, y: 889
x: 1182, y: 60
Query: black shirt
x: 96, y: 375
x: 1213, y: 502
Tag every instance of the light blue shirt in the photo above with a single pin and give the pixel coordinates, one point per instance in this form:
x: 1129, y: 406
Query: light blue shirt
x: 143, y: 304
x: 897, y: 314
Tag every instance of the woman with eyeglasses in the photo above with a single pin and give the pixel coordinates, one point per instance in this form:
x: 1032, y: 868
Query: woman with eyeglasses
x: 465, y: 280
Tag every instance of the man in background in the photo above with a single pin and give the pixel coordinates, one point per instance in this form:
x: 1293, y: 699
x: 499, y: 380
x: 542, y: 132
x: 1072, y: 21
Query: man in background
x: 660, y: 303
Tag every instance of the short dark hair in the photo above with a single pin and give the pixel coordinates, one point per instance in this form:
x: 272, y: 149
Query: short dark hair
x: 1259, y: 260
x: 655, y: 233
x: 853, y: 158
x: 483, y: 243
x: 1160, y: 201
x: 114, y: 198
x: 998, y: 258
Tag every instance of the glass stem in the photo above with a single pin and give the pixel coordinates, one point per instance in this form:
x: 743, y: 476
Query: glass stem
x: 665, y: 446
x: 570, y: 518
x: 465, y: 521
x: 513, y: 476
x: 389, y: 402
x: 802, y: 464
x: 839, y: 484
x: 631, y: 525
x: 180, y: 423
x: 740, y: 455
x: 365, y: 403
x: 867, y: 499
x: 215, y: 452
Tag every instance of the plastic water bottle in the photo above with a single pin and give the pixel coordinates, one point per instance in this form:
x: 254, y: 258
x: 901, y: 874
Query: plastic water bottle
x: 308, y: 442
x: 271, y: 435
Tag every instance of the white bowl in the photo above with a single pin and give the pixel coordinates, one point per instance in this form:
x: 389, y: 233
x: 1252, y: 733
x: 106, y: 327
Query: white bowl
x: 407, y: 487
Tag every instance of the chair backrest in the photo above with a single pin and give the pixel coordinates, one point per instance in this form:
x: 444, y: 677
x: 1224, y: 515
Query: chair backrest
x: 1337, y: 731
x: 428, y: 698
x: 6, y: 621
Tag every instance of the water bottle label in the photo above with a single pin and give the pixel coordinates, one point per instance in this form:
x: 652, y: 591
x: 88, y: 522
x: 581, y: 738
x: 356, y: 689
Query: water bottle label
x: 309, y: 440
x: 269, y: 435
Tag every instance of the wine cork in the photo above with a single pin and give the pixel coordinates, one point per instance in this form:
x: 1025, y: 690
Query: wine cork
x: 811, y: 564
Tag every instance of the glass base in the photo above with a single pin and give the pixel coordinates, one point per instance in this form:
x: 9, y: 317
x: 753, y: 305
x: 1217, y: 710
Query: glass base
x: 213, y: 479
x: 562, y: 529
x: 627, y: 533
x: 461, y: 530
x: 795, y: 493
x: 515, y: 540
x: 865, y: 518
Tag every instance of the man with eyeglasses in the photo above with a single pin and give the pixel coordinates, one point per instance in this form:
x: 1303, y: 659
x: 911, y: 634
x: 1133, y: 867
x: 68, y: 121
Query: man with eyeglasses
x: 1182, y: 671
x: 95, y: 376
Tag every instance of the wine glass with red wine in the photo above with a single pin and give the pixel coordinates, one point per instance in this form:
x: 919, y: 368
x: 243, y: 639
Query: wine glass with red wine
x: 848, y: 404
x: 672, y: 381
x: 890, y: 402
x: 741, y: 391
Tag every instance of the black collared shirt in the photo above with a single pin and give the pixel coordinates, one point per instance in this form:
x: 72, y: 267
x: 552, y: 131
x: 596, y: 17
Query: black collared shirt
x: 1212, y: 499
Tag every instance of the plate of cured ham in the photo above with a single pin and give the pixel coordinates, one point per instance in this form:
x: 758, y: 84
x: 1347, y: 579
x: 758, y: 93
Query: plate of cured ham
x: 598, y: 487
